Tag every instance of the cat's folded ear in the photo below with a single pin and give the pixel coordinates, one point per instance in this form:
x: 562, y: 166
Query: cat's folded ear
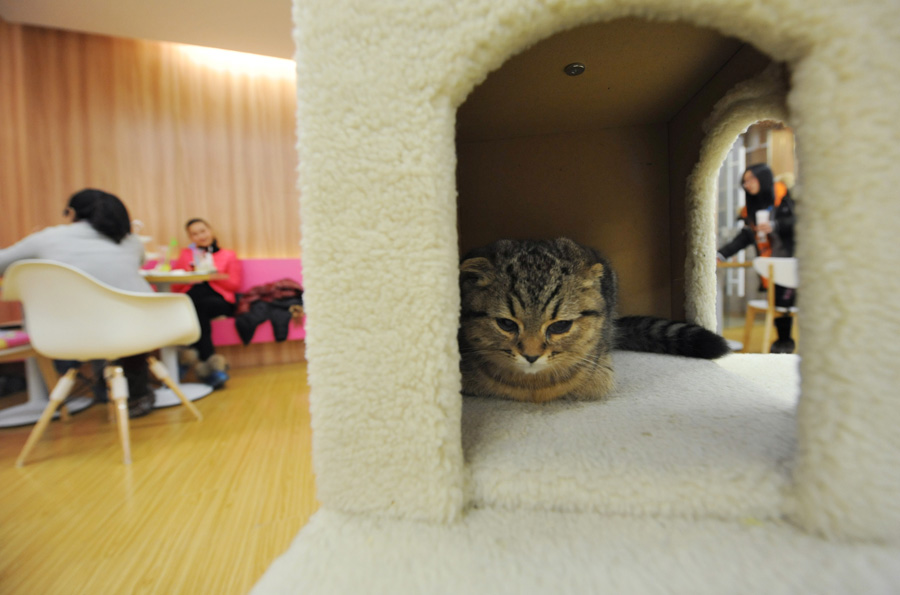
x: 594, y: 274
x: 478, y: 271
x: 602, y: 275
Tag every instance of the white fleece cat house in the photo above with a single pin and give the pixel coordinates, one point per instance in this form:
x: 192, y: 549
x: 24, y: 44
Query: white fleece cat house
x: 694, y: 476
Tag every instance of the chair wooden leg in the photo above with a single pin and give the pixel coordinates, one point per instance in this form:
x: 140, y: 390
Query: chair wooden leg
x: 748, y: 328
x: 161, y: 373
x: 48, y: 372
x: 51, y: 378
x: 115, y: 377
x: 60, y: 392
x: 110, y: 404
x: 770, y: 311
x: 767, y: 333
x: 796, y: 330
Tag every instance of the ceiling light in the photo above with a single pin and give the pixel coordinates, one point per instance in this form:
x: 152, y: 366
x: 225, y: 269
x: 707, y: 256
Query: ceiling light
x: 574, y: 69
x: 238, y: 62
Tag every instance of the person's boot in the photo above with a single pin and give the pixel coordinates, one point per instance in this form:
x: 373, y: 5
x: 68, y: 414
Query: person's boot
x: 202, y: 370
x: 784, y: 343
x: 187, y: 359
x: 214, y: 371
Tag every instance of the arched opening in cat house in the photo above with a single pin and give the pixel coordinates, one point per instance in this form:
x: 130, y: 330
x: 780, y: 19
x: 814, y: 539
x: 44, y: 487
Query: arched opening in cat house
x: 622, y: 157
x: 602, y: 157
x: 741, y: 296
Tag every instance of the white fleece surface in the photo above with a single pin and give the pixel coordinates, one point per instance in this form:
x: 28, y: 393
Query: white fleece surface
x: 495, y: 552
x: 678, y: 439
x: 378, y: 88
x: 678, y: 436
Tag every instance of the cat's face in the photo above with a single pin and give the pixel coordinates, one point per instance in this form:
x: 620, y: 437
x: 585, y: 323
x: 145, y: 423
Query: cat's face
x: 534, y: 308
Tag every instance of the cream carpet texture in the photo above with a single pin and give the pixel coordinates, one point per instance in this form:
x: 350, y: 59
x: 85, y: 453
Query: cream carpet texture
x: 493, y: 552
x: 673, y: 485
x: 678, y: 437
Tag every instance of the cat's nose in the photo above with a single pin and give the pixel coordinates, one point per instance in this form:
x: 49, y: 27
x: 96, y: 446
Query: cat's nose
x: 531, y: 358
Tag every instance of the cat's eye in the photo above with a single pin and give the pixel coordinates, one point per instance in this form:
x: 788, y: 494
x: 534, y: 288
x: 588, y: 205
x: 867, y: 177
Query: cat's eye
x: 559, y: 327
x: 507, y: 325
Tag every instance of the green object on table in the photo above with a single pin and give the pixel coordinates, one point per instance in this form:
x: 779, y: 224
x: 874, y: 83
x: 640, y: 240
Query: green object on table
x: 171, y: 252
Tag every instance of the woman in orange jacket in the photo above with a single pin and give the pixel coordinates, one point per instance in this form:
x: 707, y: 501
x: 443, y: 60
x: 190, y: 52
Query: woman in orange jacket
x: 211, y: 299
x: 771, y: 235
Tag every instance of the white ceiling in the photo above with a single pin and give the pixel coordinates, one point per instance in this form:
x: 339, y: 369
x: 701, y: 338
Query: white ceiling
x: 254, y: 26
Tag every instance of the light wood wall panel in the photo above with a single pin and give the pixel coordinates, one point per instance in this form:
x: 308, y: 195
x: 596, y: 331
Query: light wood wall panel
x: 172, y: 136
x: 15, y: 215
x: 264, y: 354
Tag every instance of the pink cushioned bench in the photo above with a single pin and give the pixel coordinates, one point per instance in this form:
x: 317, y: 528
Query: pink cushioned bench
x: 259, y: 271
x: 13, y: 338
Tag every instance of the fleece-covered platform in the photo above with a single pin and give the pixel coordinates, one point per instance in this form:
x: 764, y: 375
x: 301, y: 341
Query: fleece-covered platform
x: 676, y: 437
x: 675, y: 484
x: 492, y: 552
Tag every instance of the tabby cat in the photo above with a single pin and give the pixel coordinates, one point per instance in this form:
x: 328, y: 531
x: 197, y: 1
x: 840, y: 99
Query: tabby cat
x: 538, y: 322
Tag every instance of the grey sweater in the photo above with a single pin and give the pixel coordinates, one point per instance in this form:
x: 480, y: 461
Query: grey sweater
x: 81, y: 246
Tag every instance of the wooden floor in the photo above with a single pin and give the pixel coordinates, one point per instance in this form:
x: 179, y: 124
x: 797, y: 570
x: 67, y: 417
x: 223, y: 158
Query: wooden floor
x: 736, y: 333
x: 204, y: 508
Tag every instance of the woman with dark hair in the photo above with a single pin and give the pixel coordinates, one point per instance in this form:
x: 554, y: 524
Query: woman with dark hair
x: 211, y: 299
x: 98, y: 241
x: 104, y: 211
x: 769, y: 227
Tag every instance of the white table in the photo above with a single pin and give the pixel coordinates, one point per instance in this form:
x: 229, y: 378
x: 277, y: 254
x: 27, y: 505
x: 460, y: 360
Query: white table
x: 169, y: 354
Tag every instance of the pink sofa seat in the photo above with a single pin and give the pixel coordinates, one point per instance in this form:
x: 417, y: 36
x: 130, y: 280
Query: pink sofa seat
x: 259, y: 271
x: 13, y: 338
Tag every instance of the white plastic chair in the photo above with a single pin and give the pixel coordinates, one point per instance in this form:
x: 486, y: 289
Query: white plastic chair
x: 779, y: 271
x: 70, y: 315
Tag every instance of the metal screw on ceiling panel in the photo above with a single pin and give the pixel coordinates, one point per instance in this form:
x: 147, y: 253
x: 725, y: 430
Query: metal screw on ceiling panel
x: 574, y: 69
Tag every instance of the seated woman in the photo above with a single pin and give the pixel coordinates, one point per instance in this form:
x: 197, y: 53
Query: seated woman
x: 211, y: 299
x: 97, y: 240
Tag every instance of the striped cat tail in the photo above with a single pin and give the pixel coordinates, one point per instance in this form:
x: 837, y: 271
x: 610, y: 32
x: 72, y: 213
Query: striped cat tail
x: 659, y: 335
